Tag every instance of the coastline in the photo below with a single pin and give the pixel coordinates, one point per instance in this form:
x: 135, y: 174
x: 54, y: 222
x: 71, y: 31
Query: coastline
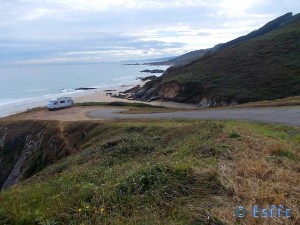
x: 94, y: 95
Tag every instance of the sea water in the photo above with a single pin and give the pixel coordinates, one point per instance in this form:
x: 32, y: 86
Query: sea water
x: 25, y: 84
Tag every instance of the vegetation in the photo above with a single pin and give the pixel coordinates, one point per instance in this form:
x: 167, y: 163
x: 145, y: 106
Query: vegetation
x: 121, y: 104
x: 160, y: 172
x: 134, y: 108
x: 266, y: 67
x: 289, y: 101
x: 270, y: 26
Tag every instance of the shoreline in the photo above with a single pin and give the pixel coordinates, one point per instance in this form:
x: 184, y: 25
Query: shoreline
x: 93, y: 95
x: 79, y: 96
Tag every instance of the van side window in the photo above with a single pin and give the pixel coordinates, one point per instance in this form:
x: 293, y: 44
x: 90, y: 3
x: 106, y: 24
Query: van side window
x: 55, y: 103
x: 68, y: 100
x: 62, y: 101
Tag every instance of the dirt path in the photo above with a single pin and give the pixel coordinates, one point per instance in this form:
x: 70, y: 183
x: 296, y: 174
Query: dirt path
x: 68, y: 114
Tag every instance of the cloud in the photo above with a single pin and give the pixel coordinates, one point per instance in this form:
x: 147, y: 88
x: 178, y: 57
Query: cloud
x: 35, y: 31
x: 96, y: 5
x: 236, y: 7
x: 39, y: 13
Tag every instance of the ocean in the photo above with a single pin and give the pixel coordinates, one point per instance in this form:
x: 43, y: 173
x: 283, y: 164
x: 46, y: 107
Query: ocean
x: 29, y: 84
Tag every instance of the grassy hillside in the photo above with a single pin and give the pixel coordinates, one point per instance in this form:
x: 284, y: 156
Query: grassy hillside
x: 270, y: 26
x: 161, y: 172
x: 264, y: 68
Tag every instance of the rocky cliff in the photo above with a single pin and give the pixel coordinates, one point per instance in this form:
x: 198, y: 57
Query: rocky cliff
x: 27, y: 147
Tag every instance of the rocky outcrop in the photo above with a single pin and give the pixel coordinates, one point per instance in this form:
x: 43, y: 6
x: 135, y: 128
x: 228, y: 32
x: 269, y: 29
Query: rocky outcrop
x: 153, y: 77
x: 84, y: 89
x: 189, y: 92
x: 169, y: 90
x: 210, y: 103
x: 26, y: 147
x: 32, y: 145
x: 152, y: 71
x: 207, y: 102
x: 144, y: 94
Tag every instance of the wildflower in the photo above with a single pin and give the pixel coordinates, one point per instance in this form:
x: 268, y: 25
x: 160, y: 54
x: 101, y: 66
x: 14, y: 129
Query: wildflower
x: 102, y: 211
x: 79, y: 210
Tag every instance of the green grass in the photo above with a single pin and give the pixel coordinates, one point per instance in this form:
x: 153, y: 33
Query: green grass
x: 160, y: 172
x: 133, y: 108
x: 234, y: 135
x: 264, y: 68
x: 121, y: 104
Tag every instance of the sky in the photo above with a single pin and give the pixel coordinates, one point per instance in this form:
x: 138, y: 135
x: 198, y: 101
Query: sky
x: 88, y: 31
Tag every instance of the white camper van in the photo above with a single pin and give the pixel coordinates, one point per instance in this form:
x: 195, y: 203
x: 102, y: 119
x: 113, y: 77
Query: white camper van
x: 59, y: 103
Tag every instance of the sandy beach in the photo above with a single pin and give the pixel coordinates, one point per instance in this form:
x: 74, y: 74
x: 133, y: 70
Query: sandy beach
x: 100, y: 96
x: 94, y: 95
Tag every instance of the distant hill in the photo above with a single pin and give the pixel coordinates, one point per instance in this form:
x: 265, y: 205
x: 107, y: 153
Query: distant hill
x: 248, y: 69
x: 270, y: 26
x: 147, y: 61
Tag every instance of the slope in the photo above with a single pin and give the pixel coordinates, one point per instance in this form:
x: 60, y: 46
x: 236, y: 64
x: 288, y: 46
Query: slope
x: 264, y: 68
x: 161, y: 172
x: 270, y: 26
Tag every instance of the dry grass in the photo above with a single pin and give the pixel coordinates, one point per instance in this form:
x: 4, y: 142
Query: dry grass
x: 136, y: 110
x: 162, y: 172
x: 263, y: 171
x: 290, y: 101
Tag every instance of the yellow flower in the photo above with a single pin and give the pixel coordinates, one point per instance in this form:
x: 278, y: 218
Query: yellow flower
x: 79, y: 210
x: 87, y: 207
x: 102, y: 210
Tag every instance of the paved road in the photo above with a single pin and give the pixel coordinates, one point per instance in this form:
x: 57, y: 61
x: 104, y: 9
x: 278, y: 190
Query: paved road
x: 282, y: 115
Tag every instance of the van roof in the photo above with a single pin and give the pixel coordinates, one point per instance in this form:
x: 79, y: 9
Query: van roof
x: 56, y: 99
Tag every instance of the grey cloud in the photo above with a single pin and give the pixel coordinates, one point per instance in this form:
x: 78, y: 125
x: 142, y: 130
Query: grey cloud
x: 31, y: 29
x: 203, y: 34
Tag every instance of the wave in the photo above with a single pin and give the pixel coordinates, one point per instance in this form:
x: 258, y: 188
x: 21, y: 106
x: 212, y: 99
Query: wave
x: 10, y: 101
x: 6, y: 102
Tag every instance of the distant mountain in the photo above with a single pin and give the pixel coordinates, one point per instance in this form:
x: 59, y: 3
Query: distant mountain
x: 270, y: 26
x: 147, y: 61
x: 262, y: 65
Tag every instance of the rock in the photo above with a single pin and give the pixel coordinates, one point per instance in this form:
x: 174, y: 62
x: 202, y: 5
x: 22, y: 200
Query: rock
x: 133, y: 90
x: 32, y: 144
x: 147, y: 94
x: 207, y: 102
x: 233, y: 103
x: 139, y: 93
x: 149, y: 78
x: 84, y: 89
x: 155, y: 98
x: 170, y: 90
x: 152, y: 71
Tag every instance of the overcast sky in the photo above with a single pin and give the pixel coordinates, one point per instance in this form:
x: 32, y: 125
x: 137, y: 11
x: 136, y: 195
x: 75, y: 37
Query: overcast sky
x: 63, y: 31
